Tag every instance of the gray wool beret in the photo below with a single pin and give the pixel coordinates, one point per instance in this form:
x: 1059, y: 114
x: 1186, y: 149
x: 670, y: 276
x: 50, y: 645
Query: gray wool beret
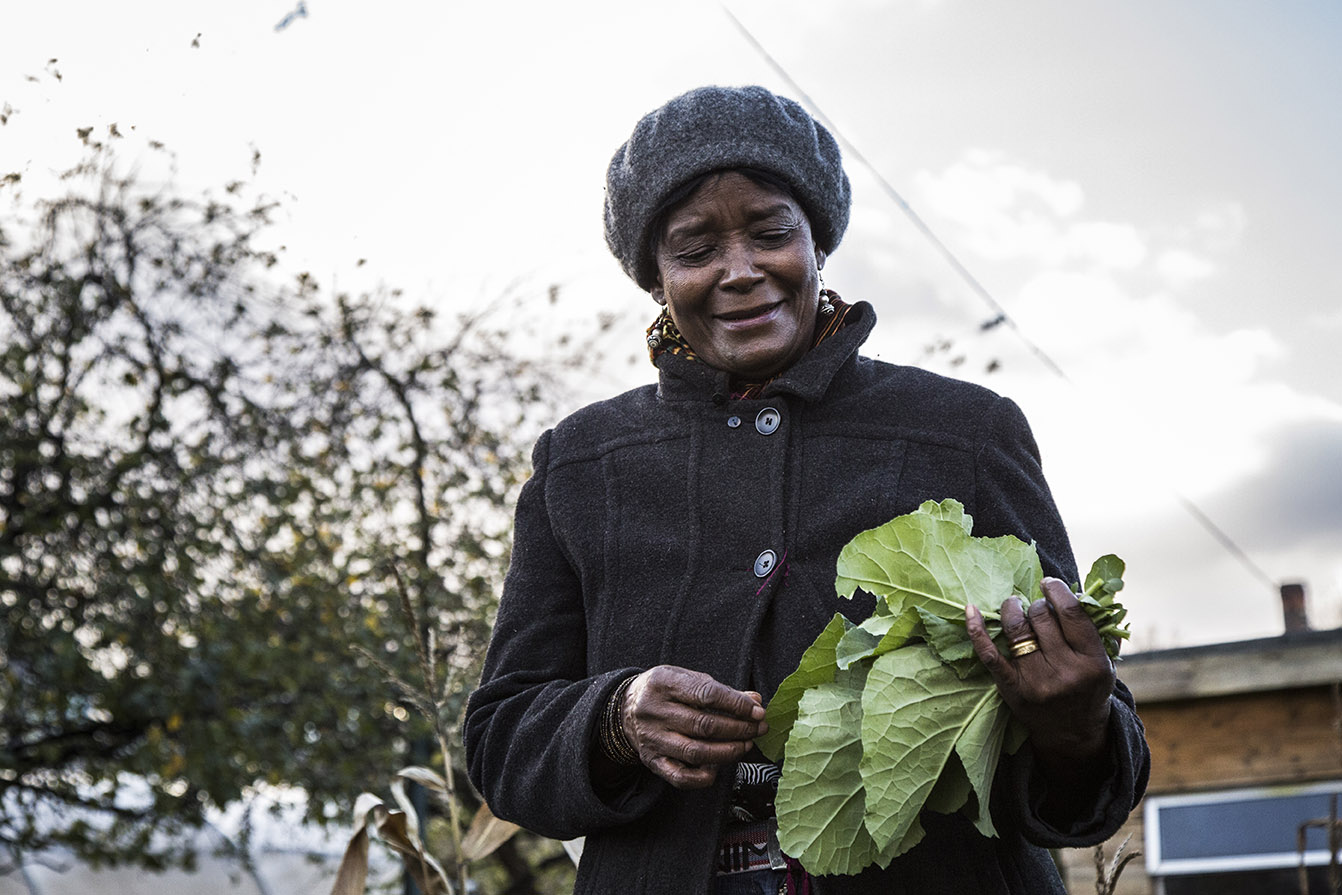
x: 713, y: 129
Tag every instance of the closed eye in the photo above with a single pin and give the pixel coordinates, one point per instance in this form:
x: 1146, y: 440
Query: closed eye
x: 777, y: 235
x: 695, y: 255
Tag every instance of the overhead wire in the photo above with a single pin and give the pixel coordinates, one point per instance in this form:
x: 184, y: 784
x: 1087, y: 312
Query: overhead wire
x: 853, y: 152
x: 1001, y: 315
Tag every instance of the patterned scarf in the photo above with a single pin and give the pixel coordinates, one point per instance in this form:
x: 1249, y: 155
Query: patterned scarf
x: 664, y: 336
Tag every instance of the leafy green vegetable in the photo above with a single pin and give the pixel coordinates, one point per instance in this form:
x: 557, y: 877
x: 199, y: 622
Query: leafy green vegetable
x: 1101, y: 588
x: 875, y: 636
x: 928, y: 559
x: 821, y: 803
x: 896, y: 715
x: 817, y: 666
x: 921, y: 723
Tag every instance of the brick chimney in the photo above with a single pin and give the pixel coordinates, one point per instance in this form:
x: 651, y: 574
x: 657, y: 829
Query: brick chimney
x: 1293, y: 607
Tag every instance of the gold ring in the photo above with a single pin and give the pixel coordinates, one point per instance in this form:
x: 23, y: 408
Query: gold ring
x: 1024, y: 647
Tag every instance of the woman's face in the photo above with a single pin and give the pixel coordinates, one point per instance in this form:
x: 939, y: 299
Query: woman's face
x: 739, y: 273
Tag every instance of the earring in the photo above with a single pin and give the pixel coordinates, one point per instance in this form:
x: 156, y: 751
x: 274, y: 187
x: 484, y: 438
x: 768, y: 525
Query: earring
x: 826, y: 309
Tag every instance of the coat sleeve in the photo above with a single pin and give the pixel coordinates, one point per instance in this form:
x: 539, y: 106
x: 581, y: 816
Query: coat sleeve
x: 1129, y: 767
x: 1012, y: 497
x: 530, y: 723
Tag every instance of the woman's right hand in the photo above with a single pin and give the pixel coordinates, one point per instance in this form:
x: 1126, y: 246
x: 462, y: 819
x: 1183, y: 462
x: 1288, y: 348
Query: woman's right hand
x: 684, y: 724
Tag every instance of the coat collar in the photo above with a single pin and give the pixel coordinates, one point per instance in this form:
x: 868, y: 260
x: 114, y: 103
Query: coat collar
x: 680, y: 379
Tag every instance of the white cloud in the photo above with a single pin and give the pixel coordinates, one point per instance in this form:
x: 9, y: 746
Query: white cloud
x: 1222, y: 226
x: 1179, y: 267
x: 1202, y: 396
x: 1117, y: 246
x: 1165, y: 407
x: 1005, y: 211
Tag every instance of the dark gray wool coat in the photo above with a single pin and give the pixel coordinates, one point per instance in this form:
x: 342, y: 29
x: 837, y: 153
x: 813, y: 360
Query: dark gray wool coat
x: 638, y: 542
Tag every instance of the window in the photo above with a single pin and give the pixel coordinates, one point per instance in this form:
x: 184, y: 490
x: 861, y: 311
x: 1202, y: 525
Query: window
x: 1240, y: 840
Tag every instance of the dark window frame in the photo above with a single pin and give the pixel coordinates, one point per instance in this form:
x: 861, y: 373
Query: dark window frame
x: 1158, y: 865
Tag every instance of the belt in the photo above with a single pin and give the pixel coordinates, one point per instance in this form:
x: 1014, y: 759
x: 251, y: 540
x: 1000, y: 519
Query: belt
x: 750, y: 846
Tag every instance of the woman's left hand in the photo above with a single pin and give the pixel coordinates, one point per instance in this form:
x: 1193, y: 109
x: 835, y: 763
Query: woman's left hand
x: 1061, y: 690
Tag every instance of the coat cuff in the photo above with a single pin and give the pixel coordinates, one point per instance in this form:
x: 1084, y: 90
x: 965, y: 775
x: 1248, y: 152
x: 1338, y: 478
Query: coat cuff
x: 624, y: 800
x: 1115, y: 796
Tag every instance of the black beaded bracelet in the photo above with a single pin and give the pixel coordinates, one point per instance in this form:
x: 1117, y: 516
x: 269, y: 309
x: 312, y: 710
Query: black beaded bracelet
x: 610, y: 732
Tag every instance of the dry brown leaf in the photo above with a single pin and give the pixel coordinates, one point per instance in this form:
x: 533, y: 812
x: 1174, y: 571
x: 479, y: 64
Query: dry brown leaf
x: 352, y: 877
x: 393, y: 828
x: 424, y: 777
x: 399, y: 832
x: 486, y: 834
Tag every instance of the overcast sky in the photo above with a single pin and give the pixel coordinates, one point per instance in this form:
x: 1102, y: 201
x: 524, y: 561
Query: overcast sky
x: 1150, y: 190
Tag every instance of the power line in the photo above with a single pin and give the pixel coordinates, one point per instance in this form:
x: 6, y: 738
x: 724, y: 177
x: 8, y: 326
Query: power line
x: 1001, y: 314
x: 1226, y: 541
x: 894, y: 194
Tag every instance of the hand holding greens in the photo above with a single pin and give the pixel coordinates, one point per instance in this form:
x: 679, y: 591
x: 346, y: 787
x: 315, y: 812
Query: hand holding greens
x: 895, y: 715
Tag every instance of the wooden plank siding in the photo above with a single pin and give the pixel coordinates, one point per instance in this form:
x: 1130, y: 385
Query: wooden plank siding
x: 1254, y: 739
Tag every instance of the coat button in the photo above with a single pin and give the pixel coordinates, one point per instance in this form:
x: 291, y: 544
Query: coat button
x: 733, y: 422
x: 764, y: 563
x: 767, y: 421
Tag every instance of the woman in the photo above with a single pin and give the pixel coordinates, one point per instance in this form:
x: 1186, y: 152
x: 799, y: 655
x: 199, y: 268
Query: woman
x: 675, y: 549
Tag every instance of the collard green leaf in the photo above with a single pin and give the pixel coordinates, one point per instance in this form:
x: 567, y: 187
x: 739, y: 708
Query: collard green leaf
x: 1101, y: 587
x: 952, y: 791
x: 859, y: 641
x: 950, y: 642
x: 904, y: 717
x: 817, y: 666
x: 1105, y: 577
x: 915, y: 710
x: 820, y: 801
x: 1026, y: 571
x: 877, y: 635
x: 980, y: 748
x: 949, y: 510
x: 948, y: 639
x: 927, y: 559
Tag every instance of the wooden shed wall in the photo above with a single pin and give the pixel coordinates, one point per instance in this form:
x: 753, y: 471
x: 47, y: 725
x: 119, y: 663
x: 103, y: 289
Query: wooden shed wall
x: 1225, y: 742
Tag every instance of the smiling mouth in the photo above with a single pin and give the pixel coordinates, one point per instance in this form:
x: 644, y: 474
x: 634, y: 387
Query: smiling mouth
x: 749, y: 315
